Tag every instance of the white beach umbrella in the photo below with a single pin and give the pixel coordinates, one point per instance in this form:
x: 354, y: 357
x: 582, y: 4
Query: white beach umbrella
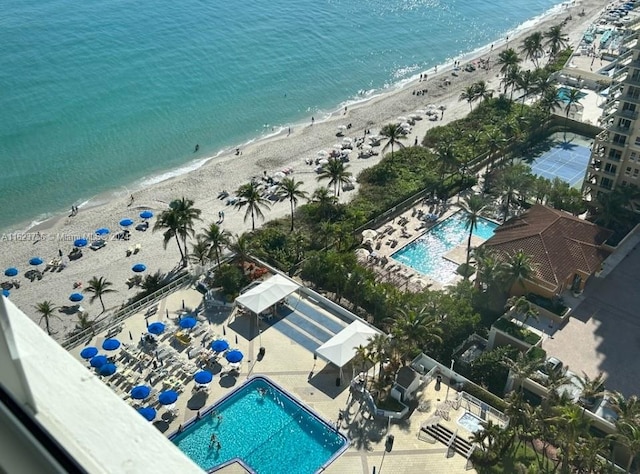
x: 346, y: 151
x: 401, y: 119
x: 347, y: 140
x: 323, y: 161
x: 279, y: 175
x: 420, y: 112
x: 415, y: 116
x: 342, y: 128
x: 431, y: 106
x: 323, y: 154
x: 366, y: 147
x: 369, y: 234
x: 362, y: 253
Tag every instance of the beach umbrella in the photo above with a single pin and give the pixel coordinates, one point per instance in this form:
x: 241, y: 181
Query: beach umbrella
x: 110, y: 344
x: 139, y: 267
x: 81, y: 242
x: 220, y: 345
x: 102, y: 231
x: 126, y: 222
x: 149, y: 413
x: 6, y: 293
x: 188, y: 323
x: 234, y: 356
x: 35, y: 261
x: 76, y: 297
x: 156, y: 328
x: 203, y: 377
x: 168, y: 397
x: 89, y: 352
x: 146, y: 215
x: 11, y: 272
x: 107, y: 369
x: 99, y: 361
x: 140, y: 392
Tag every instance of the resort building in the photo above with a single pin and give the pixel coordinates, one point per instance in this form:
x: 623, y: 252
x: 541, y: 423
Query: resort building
x: 565, y: 250
x: 615, y: 158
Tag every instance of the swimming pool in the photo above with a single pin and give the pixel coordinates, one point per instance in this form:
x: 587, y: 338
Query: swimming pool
x: 426, y: 253
x: 565, y: 92
x: 470, y: 422
x: 265, y: 428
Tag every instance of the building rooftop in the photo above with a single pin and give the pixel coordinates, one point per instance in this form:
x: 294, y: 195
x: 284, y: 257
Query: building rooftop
x: 559, y: 243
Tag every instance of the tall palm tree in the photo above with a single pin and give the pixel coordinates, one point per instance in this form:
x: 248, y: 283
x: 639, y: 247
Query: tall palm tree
x: 522, y: 367
x: 549, y: 101
x: 472, y: 205
x: 628, y: 436
x: 508, y: 59
x: 46, y: 311
x: 412, y: 329
x: 447, y: 158
x: 249, y: 196
x: 572, y: 426
x: 169, y: 221
x: 495, y: 140
x: 336, y: 172
x: 187, y: 214
x: 556, y: 40
x: 394, y: 134
x: 510, y: 80
x: 325, y: 200
x: 572, y: 99
x: 200, y: 253
x: 518, y: 267
x: 216, y: 239
x: 591, y: 389
x: 482, y: 90
x: 98, y: 287
x: 290, y: 189
x: 241, y: 246
x: 532, y: 47
x: 469, y: 94
x: 526, y: 80
x: 378, y: 347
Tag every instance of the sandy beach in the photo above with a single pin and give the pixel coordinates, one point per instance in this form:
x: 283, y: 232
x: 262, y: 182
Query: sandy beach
x: 229, y: 171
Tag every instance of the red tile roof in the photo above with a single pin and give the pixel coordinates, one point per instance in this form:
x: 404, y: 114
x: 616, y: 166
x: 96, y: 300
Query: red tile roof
x: 559, y: 243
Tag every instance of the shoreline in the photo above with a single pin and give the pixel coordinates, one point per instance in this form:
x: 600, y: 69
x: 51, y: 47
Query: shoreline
x: 41, y: 223
x: 227, y: 172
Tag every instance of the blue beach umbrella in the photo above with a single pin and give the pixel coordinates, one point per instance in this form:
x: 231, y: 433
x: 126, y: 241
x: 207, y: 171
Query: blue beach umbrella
x: 81, y: 242
x: 149, y: 413
x: 168, y: 397
x: 156, y: 328
x: 102, y: 231
x: 146, y: 215
x: 11, y: 272
x: 203, y: 377
x: 89, y: 352
x: 35, y: 261
x: 76, y: 297
x: 220, y: 345
x: 188, y: 323
x: 126, y: 222
x: 234, y: 356
x: 139, y: 267
x: 99, y: 361
x: 6, y: 293
x: 140, y: 392
x: 107, y: 369
x: 110, y: 344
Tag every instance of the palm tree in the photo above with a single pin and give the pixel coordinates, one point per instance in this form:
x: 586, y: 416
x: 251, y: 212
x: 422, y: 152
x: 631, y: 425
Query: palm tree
x: 549, y: 101
x: 290, y: 189
x: 472, y: 205
x: 628, y: 409
x: 378, y: 347
x: 216, y: 240
x: 510, y: 80
x: 83, y: 322
x: 241, y: 246
x: 525, y: 83
x: 393, y: 133
x: 521, y: 305
x: 469, y: 94
x: 572, y: 99
x: 412, y: 329
x: 522, y: 368
x: 99, y: 286
x: 508, y: 60
x: 336, y: 172
x: 628, y: 436
x: 325, y: 200
x: 187, y: 215
x: 178, y: 223
x: 518, y: 267
x: 482, y: 90
x: 362, y: 356
x: 556, y: 40
x: 200, y: 251
x: 591, y: 389
x: 495, y: 141
x: 572, y: 426
x: 249, y: 195
x: 446, y: 157
x: 46, y: 310
x: 532, y: 47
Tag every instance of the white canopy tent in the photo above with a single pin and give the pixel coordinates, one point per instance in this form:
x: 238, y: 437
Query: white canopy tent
x: 341, y: 348
x: 267, y: 293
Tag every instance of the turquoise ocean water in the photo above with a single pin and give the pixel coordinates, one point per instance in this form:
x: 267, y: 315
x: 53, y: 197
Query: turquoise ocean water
x: 101, y: 97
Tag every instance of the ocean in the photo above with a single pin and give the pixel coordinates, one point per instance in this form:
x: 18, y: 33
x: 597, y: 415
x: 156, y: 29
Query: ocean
x: 101, y: 98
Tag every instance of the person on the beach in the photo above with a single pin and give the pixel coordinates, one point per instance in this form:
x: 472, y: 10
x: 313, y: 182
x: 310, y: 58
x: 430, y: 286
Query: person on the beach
x: 196, y: 148
x: 130, y: 200
x: 312, y: 120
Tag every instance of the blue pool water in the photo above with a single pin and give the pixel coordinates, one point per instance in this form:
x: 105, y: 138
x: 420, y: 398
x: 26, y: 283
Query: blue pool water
x: 426, y: 254
x: 564, y: 92
x: 269, y: 433
x: 470, y: 422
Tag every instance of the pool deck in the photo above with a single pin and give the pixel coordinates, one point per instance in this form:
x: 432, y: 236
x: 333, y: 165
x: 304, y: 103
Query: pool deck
x: 287, y: 363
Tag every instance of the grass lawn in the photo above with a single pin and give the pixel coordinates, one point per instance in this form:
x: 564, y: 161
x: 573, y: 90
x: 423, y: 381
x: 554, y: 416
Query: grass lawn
x: 525, y: 456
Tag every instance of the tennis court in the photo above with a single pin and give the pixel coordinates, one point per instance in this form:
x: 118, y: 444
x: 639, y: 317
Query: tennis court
x: 566, y: 160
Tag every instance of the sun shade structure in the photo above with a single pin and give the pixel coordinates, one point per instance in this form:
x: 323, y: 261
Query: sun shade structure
x: 149, y: 413
x: 81, y: 242
x: 188, y: 323
x: 341, y: 348
x: 11, y: 272
x: 156, y: 328
x: 35, y: 261
x: 268, y: 293
x: 146, y: 215
x: 203, y: 377
x: 126, y: 222
x: 220, y: 345
x: 89, y: 352
x: 140, y: 392
x: 76, y: 297
x: 98, y: 361
x: 110, y: 344
x: 139, y: 267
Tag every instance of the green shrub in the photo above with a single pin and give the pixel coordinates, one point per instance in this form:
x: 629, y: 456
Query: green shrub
x: 516, y: 331
x: 485, y: 396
